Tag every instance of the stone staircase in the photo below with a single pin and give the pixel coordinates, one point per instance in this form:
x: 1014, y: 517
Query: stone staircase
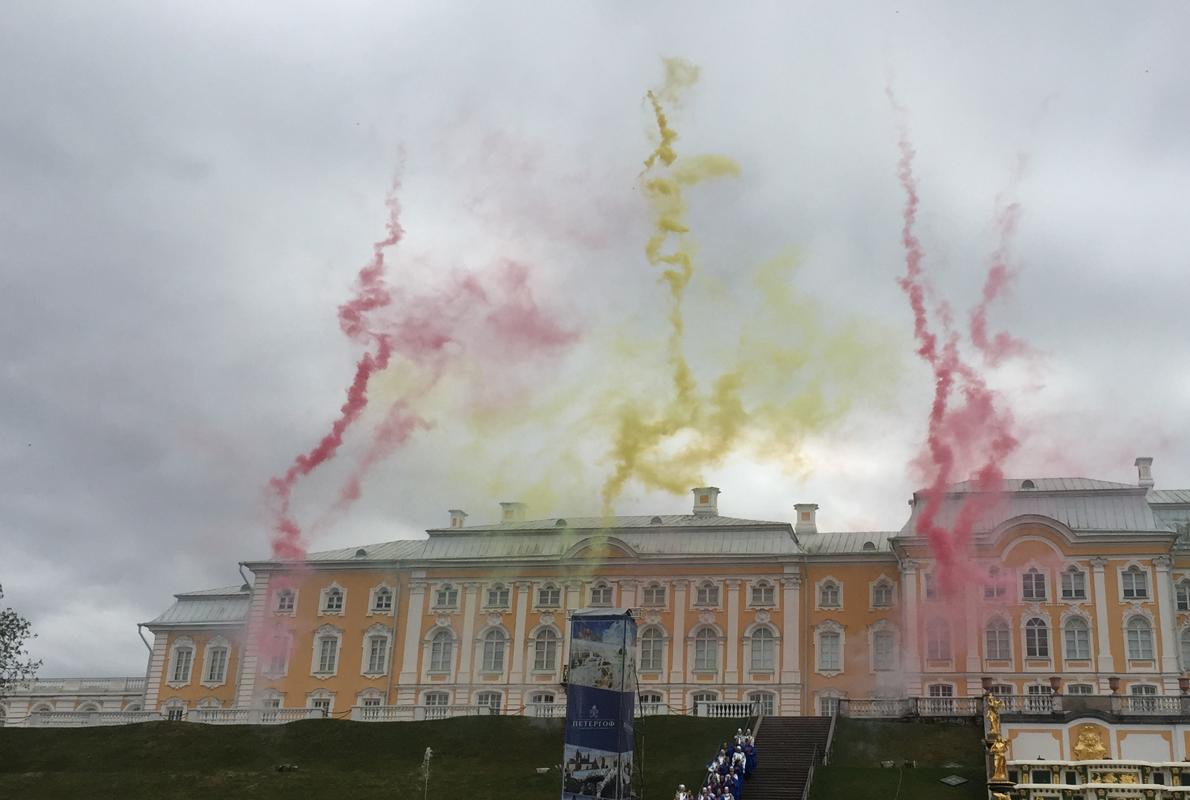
x: 786, y: 747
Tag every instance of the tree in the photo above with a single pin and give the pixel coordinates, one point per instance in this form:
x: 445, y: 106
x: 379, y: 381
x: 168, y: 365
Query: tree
x: 15, y: 663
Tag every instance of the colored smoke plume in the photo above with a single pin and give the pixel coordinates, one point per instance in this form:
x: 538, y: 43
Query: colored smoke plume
x: 788, y: 377
x: 969, y: 425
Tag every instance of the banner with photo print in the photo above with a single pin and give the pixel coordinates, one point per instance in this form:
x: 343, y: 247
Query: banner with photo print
x: 600, y: 700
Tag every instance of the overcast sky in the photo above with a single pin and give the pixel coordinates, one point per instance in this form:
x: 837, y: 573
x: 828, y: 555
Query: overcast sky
x: 188, y: 190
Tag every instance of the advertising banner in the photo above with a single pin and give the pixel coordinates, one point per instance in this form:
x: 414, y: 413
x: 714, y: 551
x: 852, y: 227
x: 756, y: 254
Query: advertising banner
x: 600, y: 701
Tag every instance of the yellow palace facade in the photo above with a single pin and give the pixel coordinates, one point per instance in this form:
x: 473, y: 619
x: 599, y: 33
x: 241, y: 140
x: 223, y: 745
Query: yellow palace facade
x: 1084, y: 589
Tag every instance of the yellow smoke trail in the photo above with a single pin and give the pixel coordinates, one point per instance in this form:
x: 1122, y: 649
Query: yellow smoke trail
x: 790, y: 378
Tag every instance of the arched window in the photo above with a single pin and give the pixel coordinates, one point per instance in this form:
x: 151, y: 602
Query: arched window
x: 442, y: 651
x: 493, y: 650
x: 1033, y: 584
x: 652, y: 645
x: 654, y: 595
x: 285, y: 601
x: 1074, y: 584
x: 1077, y: 639
x: 763, y: 594
x: 382, y: 600
x: 701, y: 698
x: 601, y: 594
x: 447, y: 596
x: 175, y: 710
x: 88, y: 708
x: 1140, y: 639
x: 938, y: 640
x: 763, y: 703
x: 498, y: 596
x: 1183, y: 595
x: 650, y: 703
x: 707, y: 594
x: 882, y: 593
x: 1134, y: 584
x: 706, y: 651
x: 549, y: 596
x: 490, y: 700
x: 763, y: 650
x: 997, y: 641
x: 545, y: 651
x: 133, y: 708
x: 829, y: 595
x: 1037, y: 639
x: 542, y: 704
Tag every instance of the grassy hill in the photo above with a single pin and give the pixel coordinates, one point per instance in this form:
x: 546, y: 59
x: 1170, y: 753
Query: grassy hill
x: 860, y: 745
x: 490, y: 757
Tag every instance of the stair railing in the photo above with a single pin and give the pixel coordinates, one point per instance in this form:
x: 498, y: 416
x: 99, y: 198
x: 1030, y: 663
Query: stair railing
x: 830, y: 737
x: 810, y: 774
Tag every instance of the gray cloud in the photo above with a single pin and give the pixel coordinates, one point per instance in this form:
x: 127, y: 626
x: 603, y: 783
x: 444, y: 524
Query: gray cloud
x: 186, y: 192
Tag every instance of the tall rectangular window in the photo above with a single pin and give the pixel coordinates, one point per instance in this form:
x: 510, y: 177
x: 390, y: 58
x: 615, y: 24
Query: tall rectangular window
x: 182, y: 659
x: 327, y: 655
x: 828, y: 651
x: 1033, y: 585
x: 377, y: 654
x: 1074, y: 584
x: 217, y: 668
x: 882, y: 651
x: 651, y: 644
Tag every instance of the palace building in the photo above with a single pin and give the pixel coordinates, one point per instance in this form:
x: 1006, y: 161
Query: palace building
x: 1080, y: 586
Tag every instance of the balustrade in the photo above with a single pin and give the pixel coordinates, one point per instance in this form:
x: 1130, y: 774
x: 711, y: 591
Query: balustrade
x: 726, y: 710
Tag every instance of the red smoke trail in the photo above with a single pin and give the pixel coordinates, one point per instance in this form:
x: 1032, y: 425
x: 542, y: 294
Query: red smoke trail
x: 370, y: 295
x: 1001, y: 346
x: 977, y: 430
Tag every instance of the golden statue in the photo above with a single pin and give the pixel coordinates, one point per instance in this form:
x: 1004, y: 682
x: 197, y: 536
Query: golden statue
x: 1090, y: 744
x: 1001, y: 796
x: 1128, y: 777
x: 991, y: 713
x: 998, y: 747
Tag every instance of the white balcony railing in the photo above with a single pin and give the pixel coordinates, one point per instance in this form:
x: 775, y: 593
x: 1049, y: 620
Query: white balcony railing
x: 548, y: 710
x: 725, y: 710
x: 86, y: 719
x: 1149, y: 704
x: 81, y: 685
x: 652, y: 709
x: 415, y: 713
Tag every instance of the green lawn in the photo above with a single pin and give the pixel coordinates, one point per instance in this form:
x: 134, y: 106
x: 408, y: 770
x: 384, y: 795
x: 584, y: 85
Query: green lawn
x: 855, y: 773
x: 493, y: 757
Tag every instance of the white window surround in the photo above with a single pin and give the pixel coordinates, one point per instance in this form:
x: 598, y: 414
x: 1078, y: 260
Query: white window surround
x: 1182, y: 594
x: 370, y: 697
x: 762, y: 594
x: 174, y: 709
x: 1036, y: 638
x: 660, y: 639
x: 823, y: 599
x: 279, y: 608
x: 1136, y: 641
x: 761, y: 645
x: 1071, y: 620
x: 272, y: 698
x: 276, y: 658
x: 545, y: 649
x: 1033, y: 584
x: 1071, y: 579
x: 374, y: 594
x: 826, y: 701
x: 996, y: 583
x: 1142, y: 578
x: 829, y: 627
x: 654, y: 595
x: 498, y: 595
x: 705, y: 644
x: 492, y: 699
x: 174, y: 677
x: 602, y: 595
x: 548, y: 595
x: 446, y: 597
x: 1184, y: 647
x: 440, y: 651
x: 321, y: 698
x: 324, y: 598
x: 209, y: 656
x: 1079, y: 689
x: 882, y: 628
x: 376, y: 631
x: 882, y: 593
x: 325, y: 633
x: 997, y: 639
x: 707, y: 594
x: 767, y: 701
x: 493, y: 644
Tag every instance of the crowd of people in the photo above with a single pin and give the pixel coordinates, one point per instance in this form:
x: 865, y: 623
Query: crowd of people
x: 727, y: 772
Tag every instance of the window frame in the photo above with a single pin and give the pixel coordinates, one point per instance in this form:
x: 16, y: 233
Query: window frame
x: 706, y: 650
x: 555, y: 593
x: 325, y: 597
x: 446, y: 597
x: 1072, y: 627
x: 706, y: 594
x: 498, y: 595
x: 371, y: 636
x: 828, y: 595
x: 1182, y: 595
x: 1147, y: 642
x: 1031, y: 579
x: 829, y: 632
x: 1037, y: 638
x: 605, y: 597
x: 883, y: 584
x: 545, y: 650
x: 649, y: 595
x: 758, y: 592
x: 888, y: 664
x: 1001, y: 629
x: 442, y: 656
x: 183, y: 644
x: 656, y: 638
x: 280, y: 607
x: 934, y: 649
x: 494, y: 655
x: 764, y: 639
x: 217, y: 651
x: 1077, y: 590
x: 374, y: 606
x: 1139, y: 579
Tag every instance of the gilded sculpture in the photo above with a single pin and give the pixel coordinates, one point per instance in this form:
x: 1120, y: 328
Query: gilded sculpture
x: 1090, y: 744
x: 991, y: 713
x: 998, y: 747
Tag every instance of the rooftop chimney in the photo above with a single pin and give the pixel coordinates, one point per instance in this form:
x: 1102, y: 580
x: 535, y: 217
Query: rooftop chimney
x: 806, y: 518
x: 706, y: 501
x: 1144, y: 472
x: 512, y: 512
x: 458, y: 518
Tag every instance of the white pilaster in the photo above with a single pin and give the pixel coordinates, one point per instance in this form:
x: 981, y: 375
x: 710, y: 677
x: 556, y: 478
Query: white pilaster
x: 1167, y: 626
x: 791, y: 611
x: 467, y: 641
x: 517, y: 676
x: 911, y: 656
x: 732, y: 675
x: 677, y: 658
x: 1102, y: 622
x: 970, y: 604
x: 409, y: 665
x: 258, y: 609
x: 570, y: 601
